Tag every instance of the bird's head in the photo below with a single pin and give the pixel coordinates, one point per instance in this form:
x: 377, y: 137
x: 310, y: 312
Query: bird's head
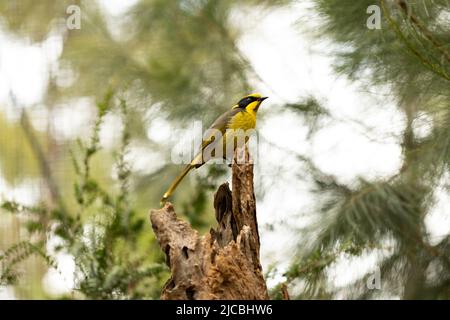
x: 250, y: 102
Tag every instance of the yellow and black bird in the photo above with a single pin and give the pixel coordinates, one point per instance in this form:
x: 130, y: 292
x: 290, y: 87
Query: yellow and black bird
x: 242, y: 116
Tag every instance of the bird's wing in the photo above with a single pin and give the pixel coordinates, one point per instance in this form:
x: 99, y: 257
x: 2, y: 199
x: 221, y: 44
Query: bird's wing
x: 209, y: 140
x: 220, y: 124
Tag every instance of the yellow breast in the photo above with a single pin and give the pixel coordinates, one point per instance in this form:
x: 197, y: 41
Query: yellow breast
x: 244, y: 120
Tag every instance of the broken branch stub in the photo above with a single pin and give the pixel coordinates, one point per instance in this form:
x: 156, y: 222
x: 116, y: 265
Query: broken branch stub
x: 223, y: 264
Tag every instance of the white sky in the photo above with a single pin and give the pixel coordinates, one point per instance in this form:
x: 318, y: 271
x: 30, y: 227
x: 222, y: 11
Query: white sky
x: 291, y: 67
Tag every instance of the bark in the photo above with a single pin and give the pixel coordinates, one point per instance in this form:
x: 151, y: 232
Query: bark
x: 223, y: 264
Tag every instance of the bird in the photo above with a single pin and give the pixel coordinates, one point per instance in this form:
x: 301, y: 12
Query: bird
x: 241, y: 116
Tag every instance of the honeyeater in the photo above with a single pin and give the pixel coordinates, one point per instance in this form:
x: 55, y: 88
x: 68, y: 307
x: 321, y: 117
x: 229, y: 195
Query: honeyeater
x: 241, y: 116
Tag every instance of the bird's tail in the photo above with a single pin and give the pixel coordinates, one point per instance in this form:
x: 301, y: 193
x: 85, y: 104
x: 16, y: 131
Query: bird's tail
x: 175, y: 183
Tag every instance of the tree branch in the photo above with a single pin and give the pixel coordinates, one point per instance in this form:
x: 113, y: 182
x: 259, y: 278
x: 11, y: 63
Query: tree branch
x: 42, y: 161
x: 223, y: 264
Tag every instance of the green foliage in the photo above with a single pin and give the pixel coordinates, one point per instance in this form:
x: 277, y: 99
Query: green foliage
x: 105, y: 244
x: 311, y: 110
x: 386, y: 52
x: 31, y: 19
x: 411, y: 57
x: 432, y: 53
x: 371, y: 211
x: 108, y: 268
x: 16, y: 254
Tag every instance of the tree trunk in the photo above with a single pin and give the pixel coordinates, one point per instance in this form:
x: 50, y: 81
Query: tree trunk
x: 223, y: 264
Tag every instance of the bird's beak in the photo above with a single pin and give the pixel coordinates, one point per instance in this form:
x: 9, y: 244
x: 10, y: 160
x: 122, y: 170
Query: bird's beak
x: 262, y: 99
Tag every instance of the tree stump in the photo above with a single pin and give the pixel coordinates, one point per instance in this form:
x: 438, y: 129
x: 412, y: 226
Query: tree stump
x: 223, y: 264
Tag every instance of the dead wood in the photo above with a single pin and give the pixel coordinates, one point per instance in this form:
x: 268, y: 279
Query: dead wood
x: 223, y: 264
